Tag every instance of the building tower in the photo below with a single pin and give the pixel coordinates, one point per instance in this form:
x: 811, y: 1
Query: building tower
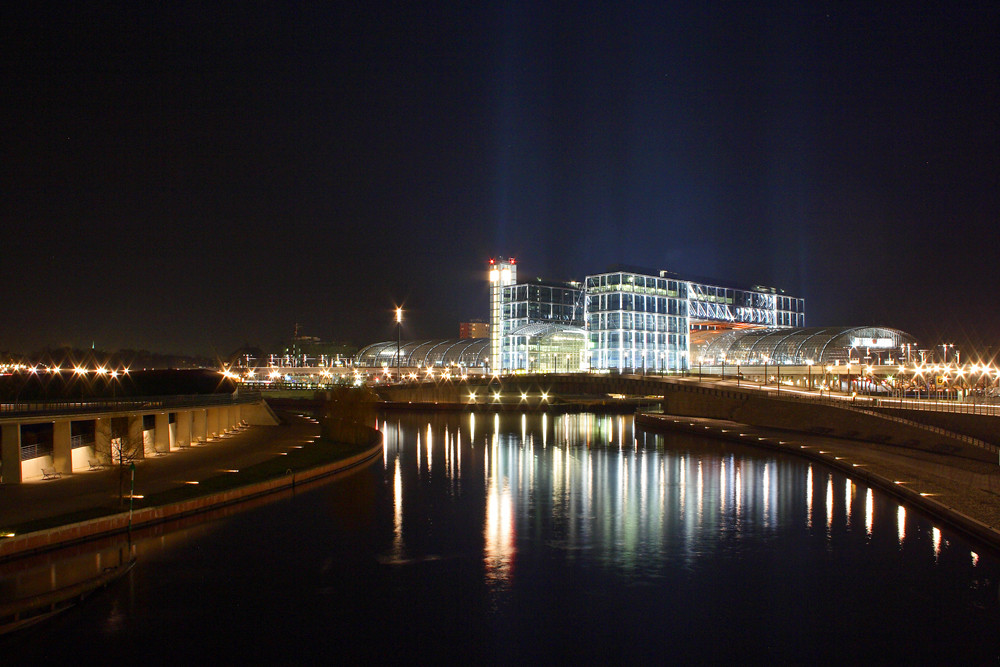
x: 501, y: 274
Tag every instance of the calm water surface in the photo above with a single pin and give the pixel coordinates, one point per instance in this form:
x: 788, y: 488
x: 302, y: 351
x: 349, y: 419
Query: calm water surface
x: 526, y: 538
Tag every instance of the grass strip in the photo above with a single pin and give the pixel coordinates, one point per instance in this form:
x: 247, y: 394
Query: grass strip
x: 310, y: 456
x: 320, y: 452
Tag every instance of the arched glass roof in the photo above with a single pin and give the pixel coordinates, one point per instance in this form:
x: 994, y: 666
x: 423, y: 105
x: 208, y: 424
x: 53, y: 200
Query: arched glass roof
x: 819, y: 345
x: 544, y: 330
x: 435, y: 352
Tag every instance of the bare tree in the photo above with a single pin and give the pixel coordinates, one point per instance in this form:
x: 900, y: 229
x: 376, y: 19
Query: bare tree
x: 124, y: 436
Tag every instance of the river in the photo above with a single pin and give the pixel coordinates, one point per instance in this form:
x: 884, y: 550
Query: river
x: 514, y: 538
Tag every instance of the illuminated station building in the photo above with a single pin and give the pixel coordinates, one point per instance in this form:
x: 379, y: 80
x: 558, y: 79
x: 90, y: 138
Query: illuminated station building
x: 623, y: 320
x: 637, y: 320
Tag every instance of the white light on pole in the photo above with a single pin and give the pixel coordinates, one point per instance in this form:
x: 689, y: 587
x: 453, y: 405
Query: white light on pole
x: 399, y: 325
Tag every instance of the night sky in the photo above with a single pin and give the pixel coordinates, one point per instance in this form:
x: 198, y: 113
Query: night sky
x: 188, y: 177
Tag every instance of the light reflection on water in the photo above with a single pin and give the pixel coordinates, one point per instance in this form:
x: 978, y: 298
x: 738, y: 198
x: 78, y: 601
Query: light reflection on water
x: 633, y: 508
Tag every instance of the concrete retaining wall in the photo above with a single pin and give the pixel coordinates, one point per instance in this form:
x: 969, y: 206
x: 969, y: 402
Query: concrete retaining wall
x: 259, y: 414
x: 816, y: 418
x: 983, y: 427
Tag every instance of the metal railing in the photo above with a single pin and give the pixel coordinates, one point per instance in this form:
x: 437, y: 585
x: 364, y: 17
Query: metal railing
x: 77, y: 442
x: 135, y: 404
x: 33, y: 451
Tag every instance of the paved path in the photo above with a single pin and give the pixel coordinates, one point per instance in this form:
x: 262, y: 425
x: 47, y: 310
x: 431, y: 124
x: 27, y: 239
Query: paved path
x: 38, y: 499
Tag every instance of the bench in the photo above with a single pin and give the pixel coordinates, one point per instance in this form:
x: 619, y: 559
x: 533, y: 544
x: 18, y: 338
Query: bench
x: 50, y: 473
x: 95, y: 464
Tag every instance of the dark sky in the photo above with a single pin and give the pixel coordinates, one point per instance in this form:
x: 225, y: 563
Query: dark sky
x: 187, y: 178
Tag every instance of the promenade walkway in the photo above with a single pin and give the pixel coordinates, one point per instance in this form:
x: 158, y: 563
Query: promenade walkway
x: 941, y: 482
x: 47, y: 499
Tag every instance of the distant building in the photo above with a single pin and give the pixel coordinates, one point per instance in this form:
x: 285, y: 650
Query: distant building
x: 474, y: 329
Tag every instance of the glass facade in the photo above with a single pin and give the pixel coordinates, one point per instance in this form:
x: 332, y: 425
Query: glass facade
x: 637, y: 321
x: 762, y: 306
x: 536, y: 302
x: 547, y: 348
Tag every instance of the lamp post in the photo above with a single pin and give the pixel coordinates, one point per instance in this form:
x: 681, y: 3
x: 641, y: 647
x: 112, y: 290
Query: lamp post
x: 809, y: 369
x: 399, y: 326
x: 765, y: 368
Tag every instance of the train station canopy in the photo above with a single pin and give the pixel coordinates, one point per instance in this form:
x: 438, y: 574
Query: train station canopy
x: 467, y: 352
x: 818, y: 345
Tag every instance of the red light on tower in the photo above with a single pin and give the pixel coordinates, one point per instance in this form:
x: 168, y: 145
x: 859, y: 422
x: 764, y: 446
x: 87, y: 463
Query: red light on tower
x: 492, y: 262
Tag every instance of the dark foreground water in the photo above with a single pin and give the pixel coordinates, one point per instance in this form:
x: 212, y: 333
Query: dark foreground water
x: 537, y: 538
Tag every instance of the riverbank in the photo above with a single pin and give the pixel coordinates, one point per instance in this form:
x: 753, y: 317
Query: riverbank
x: 263, y: 460
x: 961, y: 492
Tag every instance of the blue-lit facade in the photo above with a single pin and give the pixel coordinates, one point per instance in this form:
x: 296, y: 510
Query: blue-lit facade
x: 637, y: 321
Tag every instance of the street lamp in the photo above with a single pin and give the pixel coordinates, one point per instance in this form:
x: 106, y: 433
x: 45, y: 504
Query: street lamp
x: 399, y: 326
x: 809, y: 367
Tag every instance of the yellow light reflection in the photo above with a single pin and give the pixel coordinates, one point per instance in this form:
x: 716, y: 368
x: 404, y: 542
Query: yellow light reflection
x: 722, y: 488
x: 767, y: 494
x: 848, y: 495
x: 829, y: 504
x: 499, y: 532
x: 809, y: 496
x: 397, y: 511
x: 739, y: 492
x: 430, y: 451
x: 869, y: 511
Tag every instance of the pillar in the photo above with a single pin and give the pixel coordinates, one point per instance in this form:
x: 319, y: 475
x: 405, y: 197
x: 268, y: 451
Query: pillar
x: 62, y: 446
x: 199, y: 425
x: 138, y: 447
x: 102, y: 440
x: 10, y: 453
x: 212, y: 428
x: 161, y: 432
x: 182, y: 421
x: 224, y: 424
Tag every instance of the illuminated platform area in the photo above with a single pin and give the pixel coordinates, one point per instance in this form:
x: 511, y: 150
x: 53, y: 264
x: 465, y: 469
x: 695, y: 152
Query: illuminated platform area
x: 459, y: 353
x: 870, y: 345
